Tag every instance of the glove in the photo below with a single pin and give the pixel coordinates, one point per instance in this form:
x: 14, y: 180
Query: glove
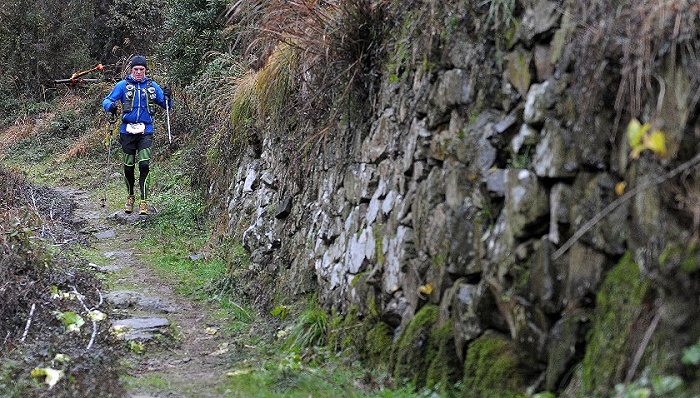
x: 113, y: 108
x: 167, y: 92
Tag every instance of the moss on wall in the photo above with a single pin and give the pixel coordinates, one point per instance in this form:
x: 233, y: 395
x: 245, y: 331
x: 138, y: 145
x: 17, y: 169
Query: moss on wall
x: 370, y: 337
x: 444, y: 368
x: 377, y: 342
x: 618, y: 306
x: 492, y: 369
x: 409, y: 357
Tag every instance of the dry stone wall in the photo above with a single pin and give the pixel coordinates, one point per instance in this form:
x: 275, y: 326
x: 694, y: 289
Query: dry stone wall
x: 479, y: 165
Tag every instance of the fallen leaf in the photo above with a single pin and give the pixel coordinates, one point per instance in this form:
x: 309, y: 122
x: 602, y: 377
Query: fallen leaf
x: 620, y: 188
x: 656, y: 142
x: 425, y: 289
x: 61, y: 358
x: 223, y: 349
x: 52, y: 376
x: 96, y: 315
x: 238, y: 372
x: 120, y: 331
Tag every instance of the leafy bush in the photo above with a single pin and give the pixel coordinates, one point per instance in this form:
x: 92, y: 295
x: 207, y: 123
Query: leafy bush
x: 40, y: 41
x: 196, y: 29
x: 134, y: 27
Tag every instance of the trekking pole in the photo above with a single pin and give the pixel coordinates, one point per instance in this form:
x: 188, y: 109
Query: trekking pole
x: 167, y: 116
x: 112, y: 119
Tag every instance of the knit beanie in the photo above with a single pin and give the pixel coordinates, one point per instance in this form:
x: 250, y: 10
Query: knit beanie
x: 138, y: 60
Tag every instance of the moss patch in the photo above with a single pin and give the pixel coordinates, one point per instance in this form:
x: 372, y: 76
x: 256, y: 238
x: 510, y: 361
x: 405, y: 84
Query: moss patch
x: 492, y: 370
x: 410, y: 354
x: 618, y: 305
x: 444, y: 369
x: 367, y: 336
x: 377, y: 342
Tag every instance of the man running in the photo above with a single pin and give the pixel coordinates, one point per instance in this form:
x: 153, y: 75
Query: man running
x: 138, y: 95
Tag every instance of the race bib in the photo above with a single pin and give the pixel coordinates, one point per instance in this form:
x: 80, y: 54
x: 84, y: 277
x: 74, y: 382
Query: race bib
x: 135, y: 128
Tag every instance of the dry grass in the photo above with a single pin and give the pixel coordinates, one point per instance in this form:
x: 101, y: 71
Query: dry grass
x: 20, y: 130
x: 629, y: 45
x: 329, y: 50
x: 85, y: 145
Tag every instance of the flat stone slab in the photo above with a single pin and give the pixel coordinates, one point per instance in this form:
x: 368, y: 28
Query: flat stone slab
x: 124, y: 299
x: 112, y: 255
x: 142, y: 323
x: 105, y: 234
x: 107, y: 269
x: 123, y: 218
x: 139, y: 328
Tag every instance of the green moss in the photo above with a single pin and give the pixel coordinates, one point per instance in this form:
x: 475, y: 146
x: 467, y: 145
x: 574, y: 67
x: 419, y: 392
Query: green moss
x: 410, y: 355
x: 378, y: 243
x: 492, y: 370
x: 439, y: 260
x: 377, y: 340
x: 618, y: 305
x: 344, y: 331
x: 367, y: 336
x: 371, y: 300
x: 685, y: 257
x: 444, y: 369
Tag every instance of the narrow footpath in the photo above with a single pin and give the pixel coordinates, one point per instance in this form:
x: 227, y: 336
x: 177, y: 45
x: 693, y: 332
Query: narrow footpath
x: 176, y: 347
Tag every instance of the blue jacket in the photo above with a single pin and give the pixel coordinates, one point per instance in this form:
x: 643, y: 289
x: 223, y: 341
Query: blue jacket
x: 139, y: 112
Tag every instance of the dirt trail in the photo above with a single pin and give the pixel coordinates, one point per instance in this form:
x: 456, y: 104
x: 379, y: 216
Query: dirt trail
x: 189, y: 358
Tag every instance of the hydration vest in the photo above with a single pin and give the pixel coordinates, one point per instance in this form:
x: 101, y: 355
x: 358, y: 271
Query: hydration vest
x: 150, y: 91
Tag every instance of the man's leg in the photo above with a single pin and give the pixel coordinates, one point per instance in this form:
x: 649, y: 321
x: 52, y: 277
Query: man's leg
x: 129, y: 152
x: 143, y: 156
x: 129, y: 174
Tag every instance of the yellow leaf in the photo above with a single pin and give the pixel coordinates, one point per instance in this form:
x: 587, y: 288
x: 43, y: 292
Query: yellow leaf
x: 620, y: 188
x: 425, y: 289
x: 656, y: 142
x: 635, y: 132
x: 211, y: 330
x: 636, y: 151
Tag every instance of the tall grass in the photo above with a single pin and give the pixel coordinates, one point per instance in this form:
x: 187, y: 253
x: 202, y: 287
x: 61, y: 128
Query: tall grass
x: 312, y: 55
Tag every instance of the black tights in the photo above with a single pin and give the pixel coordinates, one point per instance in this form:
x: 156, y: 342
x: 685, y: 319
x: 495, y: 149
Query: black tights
x: 129, y: 175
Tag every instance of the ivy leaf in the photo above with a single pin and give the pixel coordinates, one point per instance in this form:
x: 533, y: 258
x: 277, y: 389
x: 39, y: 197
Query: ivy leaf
x: 691, y: 355
x: 666, y: 384
x: 635, y: 132
x: 52, y: 376
x: 70, y: 320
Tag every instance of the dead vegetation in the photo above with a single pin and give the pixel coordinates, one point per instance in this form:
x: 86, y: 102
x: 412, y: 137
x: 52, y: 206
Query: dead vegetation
x: 34, y: 220
x: 628, y: 47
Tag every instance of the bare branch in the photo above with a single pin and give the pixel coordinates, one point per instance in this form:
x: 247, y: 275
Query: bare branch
x: 29, y: 322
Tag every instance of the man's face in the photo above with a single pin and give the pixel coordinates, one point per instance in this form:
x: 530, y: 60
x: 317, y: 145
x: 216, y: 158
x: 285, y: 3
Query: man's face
x: 138, y: 72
